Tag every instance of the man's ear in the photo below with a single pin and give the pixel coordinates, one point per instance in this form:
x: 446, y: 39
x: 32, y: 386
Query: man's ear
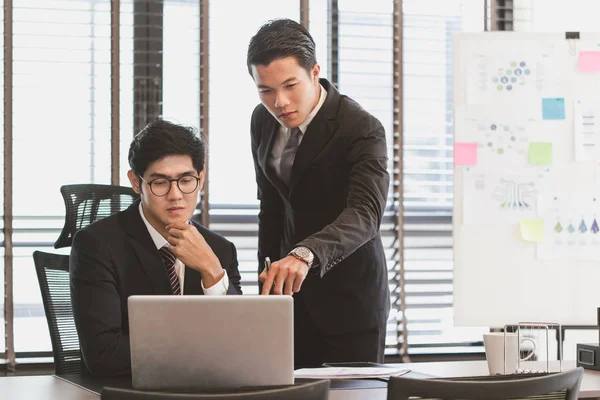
x: 316, y: 70
x: 134, y: 180
x: 201, y: 175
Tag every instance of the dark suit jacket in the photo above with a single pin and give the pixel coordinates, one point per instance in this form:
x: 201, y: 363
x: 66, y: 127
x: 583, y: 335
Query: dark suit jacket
x: 113, y: 259
x: 334, y: 206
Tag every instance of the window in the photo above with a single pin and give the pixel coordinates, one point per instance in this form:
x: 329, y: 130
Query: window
x: 62, y: 118
x: 233, y: 97
x: 61, y: 98
x: 428, y: 126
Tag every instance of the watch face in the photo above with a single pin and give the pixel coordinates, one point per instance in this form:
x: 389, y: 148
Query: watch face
x: 303, y: 252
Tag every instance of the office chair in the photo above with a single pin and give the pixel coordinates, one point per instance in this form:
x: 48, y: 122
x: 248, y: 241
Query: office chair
x: 318, y: 390
x: 87, y: 203
x: 53, y: 277
x: 563, y: 385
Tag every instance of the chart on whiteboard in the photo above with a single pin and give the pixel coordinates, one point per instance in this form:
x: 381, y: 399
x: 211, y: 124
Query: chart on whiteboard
x: 501, y: 198
x: 512, y: 77
x: 571, y: 226
x: 502, y: 138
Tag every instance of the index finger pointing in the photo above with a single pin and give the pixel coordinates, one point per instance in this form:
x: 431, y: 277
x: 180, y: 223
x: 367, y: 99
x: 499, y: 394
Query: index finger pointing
x: 267, y: 285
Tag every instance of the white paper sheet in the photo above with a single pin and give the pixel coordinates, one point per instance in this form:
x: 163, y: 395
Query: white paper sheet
x: 349, y: 372
x: 571, y: 226
x: 586, y: 115
x: 502, y: 197
x: 502, y: 136
x: 507, y: 77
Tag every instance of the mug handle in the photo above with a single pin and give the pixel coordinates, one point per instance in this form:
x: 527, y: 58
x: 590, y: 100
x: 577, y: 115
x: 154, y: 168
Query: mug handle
x: 532, y: 351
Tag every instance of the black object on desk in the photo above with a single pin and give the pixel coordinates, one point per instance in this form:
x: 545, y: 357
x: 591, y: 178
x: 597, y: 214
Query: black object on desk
x: 588, y: 354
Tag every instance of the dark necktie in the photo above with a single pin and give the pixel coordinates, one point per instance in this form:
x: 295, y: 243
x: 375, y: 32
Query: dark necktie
x: 288, y: 155
x: 169, y: 261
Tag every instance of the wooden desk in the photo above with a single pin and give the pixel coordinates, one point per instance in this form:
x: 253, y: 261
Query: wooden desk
x: 49, y: 387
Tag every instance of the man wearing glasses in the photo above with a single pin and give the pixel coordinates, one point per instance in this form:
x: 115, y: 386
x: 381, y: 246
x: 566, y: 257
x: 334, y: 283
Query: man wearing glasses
x: 153, y: 247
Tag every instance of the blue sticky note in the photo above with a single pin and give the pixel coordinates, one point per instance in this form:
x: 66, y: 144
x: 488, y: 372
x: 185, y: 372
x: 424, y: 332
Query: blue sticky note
x: 553, y: 108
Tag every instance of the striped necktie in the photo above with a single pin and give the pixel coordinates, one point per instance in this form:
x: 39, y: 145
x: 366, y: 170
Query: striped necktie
x: 169, y: 261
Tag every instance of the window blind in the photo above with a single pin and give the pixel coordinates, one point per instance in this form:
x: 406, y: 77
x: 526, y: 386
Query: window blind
x: 428, y: 27
x: 233, y: 203
x: 61, y: 116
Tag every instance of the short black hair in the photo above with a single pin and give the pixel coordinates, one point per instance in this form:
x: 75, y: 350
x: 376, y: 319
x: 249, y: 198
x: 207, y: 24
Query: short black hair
x: 281, y: 38
x: 162, y: 138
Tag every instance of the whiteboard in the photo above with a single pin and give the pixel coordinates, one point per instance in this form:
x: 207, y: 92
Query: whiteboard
x: 517, y: 95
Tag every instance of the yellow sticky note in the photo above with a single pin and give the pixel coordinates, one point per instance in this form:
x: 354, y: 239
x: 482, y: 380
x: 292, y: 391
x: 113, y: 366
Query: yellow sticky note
x: 532, y: 230
x: 540, y: 153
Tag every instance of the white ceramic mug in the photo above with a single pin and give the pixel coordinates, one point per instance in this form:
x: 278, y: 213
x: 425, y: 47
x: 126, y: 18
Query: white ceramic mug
x: 494, y: 343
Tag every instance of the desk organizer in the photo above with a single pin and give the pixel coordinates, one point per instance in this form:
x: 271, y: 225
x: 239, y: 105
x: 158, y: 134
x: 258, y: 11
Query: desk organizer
x: 533, y: 350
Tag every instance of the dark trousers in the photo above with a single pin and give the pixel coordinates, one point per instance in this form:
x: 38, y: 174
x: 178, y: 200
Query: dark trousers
x: 312, y: 348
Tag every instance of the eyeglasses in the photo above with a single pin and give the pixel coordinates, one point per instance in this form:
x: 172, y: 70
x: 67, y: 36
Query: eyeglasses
x: 162, y: 186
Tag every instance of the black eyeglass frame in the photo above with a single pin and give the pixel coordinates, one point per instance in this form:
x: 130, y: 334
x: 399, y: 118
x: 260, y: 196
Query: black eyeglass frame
x: 171, y: 184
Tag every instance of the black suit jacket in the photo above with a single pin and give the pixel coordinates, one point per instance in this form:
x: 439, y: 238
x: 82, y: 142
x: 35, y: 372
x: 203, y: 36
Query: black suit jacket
x: 334, y: 206
x: 113, y: 259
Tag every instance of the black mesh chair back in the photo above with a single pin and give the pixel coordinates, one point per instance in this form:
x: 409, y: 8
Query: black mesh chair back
x: 563, y: 385
x: 53, y: 276
x: 88, y: 203
x: 318, y: 390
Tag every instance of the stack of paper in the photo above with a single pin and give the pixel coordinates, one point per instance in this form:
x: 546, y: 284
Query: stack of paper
x: 349, y: 372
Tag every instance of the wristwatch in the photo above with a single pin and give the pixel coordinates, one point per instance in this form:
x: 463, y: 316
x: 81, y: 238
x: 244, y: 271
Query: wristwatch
x: 303, y: 254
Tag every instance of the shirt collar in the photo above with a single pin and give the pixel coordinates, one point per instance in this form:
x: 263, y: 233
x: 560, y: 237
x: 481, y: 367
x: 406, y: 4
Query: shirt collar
x: 303, y: 126
x: 157, y: 238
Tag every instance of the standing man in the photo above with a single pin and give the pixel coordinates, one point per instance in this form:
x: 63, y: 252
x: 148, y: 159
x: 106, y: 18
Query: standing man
x: 153, y: 247
x: 320, y: 162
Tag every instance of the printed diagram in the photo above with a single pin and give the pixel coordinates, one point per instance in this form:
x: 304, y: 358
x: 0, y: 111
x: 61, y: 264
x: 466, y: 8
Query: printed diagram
x: 558, y: 228
x: 581, y: 230
x: 571, y: 227
x: 502, y: 138
x: 514, y: 75
x: 491, y: 76
x: 514, y: 195
x: 500, y: 198
x: 500, y: 75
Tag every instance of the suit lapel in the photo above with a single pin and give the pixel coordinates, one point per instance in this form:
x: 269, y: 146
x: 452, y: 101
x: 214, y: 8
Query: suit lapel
x: 271, y: 129
x: 319, y: 132
x: 146, y: 252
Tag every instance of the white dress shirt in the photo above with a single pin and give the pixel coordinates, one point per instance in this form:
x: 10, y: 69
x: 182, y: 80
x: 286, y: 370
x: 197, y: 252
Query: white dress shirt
x: 218, y: 289
x: 284, y: 134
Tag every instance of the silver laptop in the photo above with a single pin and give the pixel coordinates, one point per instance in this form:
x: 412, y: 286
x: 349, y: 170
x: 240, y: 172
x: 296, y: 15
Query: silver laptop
x: 197, y: 342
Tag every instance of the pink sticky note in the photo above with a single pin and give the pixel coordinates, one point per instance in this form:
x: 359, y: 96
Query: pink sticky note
x: 465, y: 153
x: 589, y: 61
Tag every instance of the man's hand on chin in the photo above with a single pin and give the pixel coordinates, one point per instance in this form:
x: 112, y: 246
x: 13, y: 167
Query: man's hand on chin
x: 190, y: 247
